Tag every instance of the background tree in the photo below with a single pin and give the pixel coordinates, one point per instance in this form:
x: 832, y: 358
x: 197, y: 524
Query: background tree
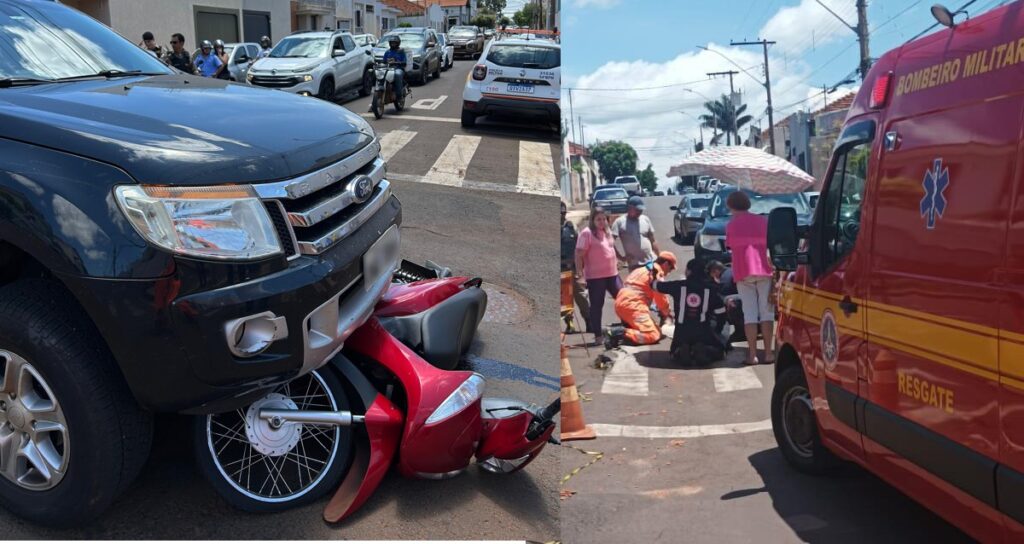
x: 494, y: 6
x: 404, y: 25
x: 614, y: 158
x: 724, y: 117
x: 528, y: 16
x: 647, y: 178
x: 505, y: 21
x: 483, y: 20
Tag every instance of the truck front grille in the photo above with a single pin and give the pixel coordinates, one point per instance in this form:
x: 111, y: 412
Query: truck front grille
x: 276, y: 82
x: 322, y: 208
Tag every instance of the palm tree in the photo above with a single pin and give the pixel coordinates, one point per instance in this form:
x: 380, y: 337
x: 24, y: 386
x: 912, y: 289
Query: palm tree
x: 725, y: 118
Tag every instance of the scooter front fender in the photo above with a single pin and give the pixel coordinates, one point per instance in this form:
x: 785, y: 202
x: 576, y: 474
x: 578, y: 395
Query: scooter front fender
x: 504, y: 446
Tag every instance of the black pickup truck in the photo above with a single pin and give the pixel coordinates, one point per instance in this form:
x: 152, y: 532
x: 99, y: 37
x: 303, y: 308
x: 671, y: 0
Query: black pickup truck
x: 167, y: 243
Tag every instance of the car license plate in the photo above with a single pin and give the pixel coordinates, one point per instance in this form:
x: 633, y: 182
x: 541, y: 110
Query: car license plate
x: 520, y: 88
x: 382, y: 257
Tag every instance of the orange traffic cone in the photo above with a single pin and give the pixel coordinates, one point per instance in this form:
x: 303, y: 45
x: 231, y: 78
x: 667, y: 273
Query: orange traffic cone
x: 573, y: 426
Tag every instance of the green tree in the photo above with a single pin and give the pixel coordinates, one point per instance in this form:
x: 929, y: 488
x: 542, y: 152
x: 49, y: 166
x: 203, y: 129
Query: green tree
x: 647, y: 178
x: 483, y: 20
x: 528, y: 17
x: 494, y: 6
x: 614, y: 158
x: 725, y: 118
x: 404, y: 25
x: 505, y: 21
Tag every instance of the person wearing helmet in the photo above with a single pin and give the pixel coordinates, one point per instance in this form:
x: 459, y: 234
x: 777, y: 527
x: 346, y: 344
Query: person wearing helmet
x: 636, y: 234
x: 396, y: 55
x: 207, y: 62
x: 633, y: 304
x: 221, y: 52
x: 265, y: 47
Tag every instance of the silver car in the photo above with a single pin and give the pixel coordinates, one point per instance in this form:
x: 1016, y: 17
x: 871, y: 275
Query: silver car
x: 240, y: 58
x: 447, y: 51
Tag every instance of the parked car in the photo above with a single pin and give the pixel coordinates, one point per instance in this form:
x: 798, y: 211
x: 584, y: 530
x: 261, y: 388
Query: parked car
x: 365, y: 40
x: 155, y: 259
x: 516, y: 78
x: 447, y: 51
x: 488, y: 33
x: 689, y: 216
x: 630, y: 184
x: 467, y: 40
x: 903, y: 329
x: 687, y: 190
x: 241, y: 57
x: 710, y: 240
x: 658, y: 193
x: 320, y: 64
x: 812, y: 198
x: 714, y: 185
x: 421, y: 48
x: 612, y: 199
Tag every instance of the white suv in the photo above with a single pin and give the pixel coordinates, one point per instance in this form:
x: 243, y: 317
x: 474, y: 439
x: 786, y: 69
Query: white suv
x: 515, y: 77
x: 316, y: 63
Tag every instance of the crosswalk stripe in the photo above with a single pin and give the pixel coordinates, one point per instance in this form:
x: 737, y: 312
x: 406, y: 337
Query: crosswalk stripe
x: 536, y: 167
x: 393, y: 142
x: 683, y: 431
x: 419, y: 118
x: 735, y: 379
x: 626, y: 377
x: 450, y: 167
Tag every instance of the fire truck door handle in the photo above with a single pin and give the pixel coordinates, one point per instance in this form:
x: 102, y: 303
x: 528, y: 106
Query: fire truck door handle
x: 848, y: 306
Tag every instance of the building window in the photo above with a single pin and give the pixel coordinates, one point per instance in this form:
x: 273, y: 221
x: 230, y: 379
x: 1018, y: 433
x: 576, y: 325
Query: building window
x: 369, y: 9
x: 359, y: 19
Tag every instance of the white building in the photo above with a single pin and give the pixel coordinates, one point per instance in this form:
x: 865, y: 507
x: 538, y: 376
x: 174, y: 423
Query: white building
x: 417, y: 14
x: 197, y: 20
x: 456, y: 12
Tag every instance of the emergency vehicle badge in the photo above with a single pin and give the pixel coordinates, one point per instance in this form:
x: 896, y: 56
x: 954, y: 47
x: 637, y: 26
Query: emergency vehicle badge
x: 934, y: 202
x: 693, y: 300
x: 829, y: 340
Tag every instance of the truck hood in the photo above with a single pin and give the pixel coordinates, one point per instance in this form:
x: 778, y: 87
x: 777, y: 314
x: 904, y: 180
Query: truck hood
x: 184, y: 130
x: 716, y: 225
x: 286, y: 64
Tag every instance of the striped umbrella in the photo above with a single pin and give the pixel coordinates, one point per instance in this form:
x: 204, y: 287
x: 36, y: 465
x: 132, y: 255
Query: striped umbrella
x: 747, y: 168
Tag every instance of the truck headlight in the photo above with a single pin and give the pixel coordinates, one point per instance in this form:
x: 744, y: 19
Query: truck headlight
x: 226, y: 222
x: 307, y: 78
x: 248, y: 76
x: 710, y: 242
x: 469, y: 392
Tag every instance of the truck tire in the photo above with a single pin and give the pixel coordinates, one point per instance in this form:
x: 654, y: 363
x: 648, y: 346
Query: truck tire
x: 55, y: 368
x: 368, y: 80
x: 307, y: 461
x: 327, y: 89
x: 796, y: 427
x: 437, y: 69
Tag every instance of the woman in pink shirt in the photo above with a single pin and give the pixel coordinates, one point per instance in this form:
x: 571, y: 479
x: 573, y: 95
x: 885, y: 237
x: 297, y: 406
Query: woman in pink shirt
x: 596, y: 261
x: 747, y: 236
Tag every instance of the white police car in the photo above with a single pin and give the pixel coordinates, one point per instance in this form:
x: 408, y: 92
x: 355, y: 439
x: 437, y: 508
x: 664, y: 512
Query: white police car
x: 515, y: 77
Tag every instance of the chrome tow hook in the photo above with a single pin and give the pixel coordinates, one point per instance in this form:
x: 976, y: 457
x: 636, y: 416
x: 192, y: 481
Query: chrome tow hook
x: 277, y: 418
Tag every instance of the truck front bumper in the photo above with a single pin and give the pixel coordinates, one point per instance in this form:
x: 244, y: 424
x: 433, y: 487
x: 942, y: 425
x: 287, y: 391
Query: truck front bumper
x: 174, y: 351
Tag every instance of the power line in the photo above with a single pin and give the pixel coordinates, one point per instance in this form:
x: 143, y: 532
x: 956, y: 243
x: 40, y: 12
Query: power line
x: 890, y: 19
x: 694, y: 82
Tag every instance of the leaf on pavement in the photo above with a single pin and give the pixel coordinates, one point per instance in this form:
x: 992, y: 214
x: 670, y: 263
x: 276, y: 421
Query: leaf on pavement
x: 676, y: 443
x: 566, y: 493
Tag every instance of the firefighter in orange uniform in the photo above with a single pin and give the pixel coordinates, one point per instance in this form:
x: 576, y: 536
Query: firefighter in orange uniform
x: 633, y: 304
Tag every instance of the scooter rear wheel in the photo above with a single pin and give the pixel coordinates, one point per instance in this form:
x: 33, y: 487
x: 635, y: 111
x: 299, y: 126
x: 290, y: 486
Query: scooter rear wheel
x: 259, y: 468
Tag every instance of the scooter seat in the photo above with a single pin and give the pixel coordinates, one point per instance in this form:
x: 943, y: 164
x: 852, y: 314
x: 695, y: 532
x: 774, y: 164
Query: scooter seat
x: 442, y: 334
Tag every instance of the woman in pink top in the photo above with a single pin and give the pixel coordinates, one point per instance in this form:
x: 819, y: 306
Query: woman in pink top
x: 596, y: 261
x: 747, y: 236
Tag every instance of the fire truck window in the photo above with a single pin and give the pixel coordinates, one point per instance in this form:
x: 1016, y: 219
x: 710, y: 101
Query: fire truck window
x: 843, y: 203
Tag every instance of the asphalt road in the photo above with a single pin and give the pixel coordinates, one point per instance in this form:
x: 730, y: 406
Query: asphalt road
x: 508, y: 239
x: 425, y: 143
x: 713, y: 472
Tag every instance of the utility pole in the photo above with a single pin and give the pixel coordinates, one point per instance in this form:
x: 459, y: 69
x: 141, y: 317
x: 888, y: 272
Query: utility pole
x: 767, y: 87
x: 732, y: 91
x: 824, y: 90
x: 572, y: 118
x: 583, y: 139
x: 861, y: 30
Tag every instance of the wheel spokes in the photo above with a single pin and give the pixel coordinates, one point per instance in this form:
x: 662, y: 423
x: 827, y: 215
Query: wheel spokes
x: 10, y: 443
x: 10, y: 365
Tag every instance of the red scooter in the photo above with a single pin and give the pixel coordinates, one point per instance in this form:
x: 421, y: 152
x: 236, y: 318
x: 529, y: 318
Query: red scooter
x: 391, y: 393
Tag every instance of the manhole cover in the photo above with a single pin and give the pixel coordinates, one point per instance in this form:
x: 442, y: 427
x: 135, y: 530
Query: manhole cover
x: 505, y: 306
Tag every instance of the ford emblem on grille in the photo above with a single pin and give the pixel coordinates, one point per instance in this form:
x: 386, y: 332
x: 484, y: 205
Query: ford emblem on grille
x: 361, y: 187
x: 522, y: 73
x: 273, y: 72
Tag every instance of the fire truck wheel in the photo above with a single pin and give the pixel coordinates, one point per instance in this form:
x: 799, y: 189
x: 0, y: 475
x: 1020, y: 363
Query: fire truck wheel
x: 264, y: 466
x: 795, y: 425
x: 72, y: 437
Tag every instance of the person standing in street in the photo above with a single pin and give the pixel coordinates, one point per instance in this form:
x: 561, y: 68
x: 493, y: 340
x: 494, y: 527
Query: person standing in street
x: 207, y: 62
x: 633, y: 304
x: 636, y: 234
x: 596, y: 261
x: 179, y: 58
x: 746, y: 236
x: 568, y: 243
x: 149, y: 44
x: 218, y: 49
x: 265, y: 47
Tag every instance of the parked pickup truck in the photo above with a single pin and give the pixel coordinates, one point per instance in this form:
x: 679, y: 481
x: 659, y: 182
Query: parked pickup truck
x: 320, y: 64
x: 629, y: 183
x: 156, y: 260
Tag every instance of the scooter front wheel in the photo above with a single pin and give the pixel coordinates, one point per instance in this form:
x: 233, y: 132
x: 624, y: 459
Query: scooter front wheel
x: 261, y: 467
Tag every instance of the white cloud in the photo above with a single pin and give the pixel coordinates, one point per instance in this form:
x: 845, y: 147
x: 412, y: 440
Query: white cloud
x: 807, y: 25
x: 599, y: 4
x: 650, y: 120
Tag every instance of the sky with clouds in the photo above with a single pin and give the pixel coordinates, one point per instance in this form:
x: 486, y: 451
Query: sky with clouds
x: 639, y: 76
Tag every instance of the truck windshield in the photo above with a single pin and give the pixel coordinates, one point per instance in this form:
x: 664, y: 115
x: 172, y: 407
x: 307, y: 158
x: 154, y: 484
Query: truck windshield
x: 298, y: 47
x: 761, y: 204
x: 47, y: 41
x: 463, y: 32
x: 610, y: 194
x: 409, y: 41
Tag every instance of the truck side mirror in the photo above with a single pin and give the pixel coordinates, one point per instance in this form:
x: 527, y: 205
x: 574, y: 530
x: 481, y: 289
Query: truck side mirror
x: 673, y: 208
x: 339, y: 53
x: 783, y: 239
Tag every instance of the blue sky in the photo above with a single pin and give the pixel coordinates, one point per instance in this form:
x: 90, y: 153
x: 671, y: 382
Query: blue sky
x: 626, y: 44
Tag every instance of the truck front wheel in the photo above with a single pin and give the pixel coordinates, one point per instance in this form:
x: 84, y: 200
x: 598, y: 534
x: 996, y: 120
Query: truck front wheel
x: 71, y: 435
x: 795, y: 425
